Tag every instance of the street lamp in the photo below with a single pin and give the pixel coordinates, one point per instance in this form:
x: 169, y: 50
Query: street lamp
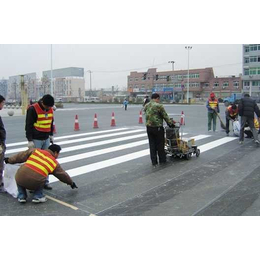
x: 51, y: 73
x: 188, y: 87
x: 172, y: 62
x: 250, y: 85
x: 90, y: 87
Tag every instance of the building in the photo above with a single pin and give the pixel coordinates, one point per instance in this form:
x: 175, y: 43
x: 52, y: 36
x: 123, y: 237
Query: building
x: 68, y: 83
x: 14, y: 87
x: 251, y: 69
x: 3, y: 87
x: 172, y: 85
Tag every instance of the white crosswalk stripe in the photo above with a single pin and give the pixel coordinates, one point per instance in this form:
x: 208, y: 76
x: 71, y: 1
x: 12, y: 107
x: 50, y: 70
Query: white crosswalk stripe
x: 133, y: 141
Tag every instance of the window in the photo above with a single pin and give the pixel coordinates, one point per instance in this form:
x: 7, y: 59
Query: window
x: 236, y: 83
x: 256, y: 83
x: 253, y: 47
x: 130, y: 79
x: 225, y: 84
x: 206, y: 85
x: 246, y: 60
x: 136, y: 79
x: 216, y: 84
x: 253, y: 59
x: 246, y: 83
x: 246, y: 71
x: 247, y: 49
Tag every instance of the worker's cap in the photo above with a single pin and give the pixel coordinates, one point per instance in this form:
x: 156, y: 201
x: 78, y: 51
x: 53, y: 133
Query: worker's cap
x: 48, y: 100
x: 234, y: 106
x: 212, y: 95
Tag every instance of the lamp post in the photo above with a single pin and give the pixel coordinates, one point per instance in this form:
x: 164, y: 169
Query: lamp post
x: 250, y: 85
x: 51, y: 73
x: 188, y: 87
x: 90, y: 87
x: 172, y: 62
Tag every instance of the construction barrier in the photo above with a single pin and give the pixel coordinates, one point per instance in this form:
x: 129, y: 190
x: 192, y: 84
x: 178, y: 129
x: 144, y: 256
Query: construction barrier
x: 113, y: 121
x: 76, y: 125
x: 95, y: 122
x: 140, y: 117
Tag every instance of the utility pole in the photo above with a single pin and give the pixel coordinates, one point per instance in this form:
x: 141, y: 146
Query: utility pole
x: 188, y: 87
x: 172, y: 62
x: 24, y: 96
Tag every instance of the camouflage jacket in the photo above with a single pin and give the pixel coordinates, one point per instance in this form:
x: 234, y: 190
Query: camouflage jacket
x: 155, y: 114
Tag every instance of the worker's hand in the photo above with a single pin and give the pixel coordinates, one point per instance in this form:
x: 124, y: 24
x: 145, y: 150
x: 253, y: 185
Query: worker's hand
x: 30, y: 144
x: 6, y: 160
x: 73, y: 185
x: 51, y: 139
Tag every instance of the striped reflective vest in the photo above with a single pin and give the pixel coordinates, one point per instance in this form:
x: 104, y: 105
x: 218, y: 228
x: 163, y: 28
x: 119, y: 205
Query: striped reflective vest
x: 42, y: 162
x: 213, y: 103
x: 231, y: 112
x: 44, y: 119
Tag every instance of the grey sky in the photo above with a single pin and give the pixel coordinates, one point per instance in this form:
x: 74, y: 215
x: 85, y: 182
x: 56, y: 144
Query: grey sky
x: 107, y: 61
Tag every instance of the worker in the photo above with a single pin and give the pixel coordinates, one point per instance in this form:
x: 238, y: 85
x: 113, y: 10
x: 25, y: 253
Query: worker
x: 155, y: 114
x: 247, y: 108
x: 2, y: 145
x: 38, y: 165
x: 231, y: 115
x: 146, y: 100
x: 125, y: 103
x: 39, y: 126
x: 213, y: 109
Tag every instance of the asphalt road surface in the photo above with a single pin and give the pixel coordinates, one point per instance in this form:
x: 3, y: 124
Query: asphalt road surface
x: 112, y: 168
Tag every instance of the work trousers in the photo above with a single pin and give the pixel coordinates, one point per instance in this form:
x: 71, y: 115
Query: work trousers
x: 212, y: 116
x: 251, y: 124
x: 42, y: 144
x: 156, y: 143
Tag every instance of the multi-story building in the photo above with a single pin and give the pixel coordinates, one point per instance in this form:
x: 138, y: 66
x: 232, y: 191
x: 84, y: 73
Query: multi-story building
x: 68, y: 83
x: 3, y: 87
x: 14, y: 87
x: 172, y: 85
x: 251, y: 69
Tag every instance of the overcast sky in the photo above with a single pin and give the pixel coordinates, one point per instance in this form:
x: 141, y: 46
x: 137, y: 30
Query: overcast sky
x: 111, y: 63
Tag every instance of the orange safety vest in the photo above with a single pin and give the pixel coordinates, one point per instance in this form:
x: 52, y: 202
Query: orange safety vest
x: 44, y: 119
x: 231, y: 112
x: 213, y: 103
x: 42, y: 162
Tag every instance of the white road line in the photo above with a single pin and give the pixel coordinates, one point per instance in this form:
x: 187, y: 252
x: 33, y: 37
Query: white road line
x: 214, y: 144
x: 117, y: 160
x: 84, y: 146
x: 81, y: 156
x: 72, y: 136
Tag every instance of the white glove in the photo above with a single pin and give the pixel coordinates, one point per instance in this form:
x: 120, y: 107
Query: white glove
x: 30, y: 144
x: 51, y: 139
x: 1, y: 149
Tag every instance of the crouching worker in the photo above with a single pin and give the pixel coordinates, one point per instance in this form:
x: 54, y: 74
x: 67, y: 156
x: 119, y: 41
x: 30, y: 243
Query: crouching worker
x: 231, y: 115
x: 33, y: 173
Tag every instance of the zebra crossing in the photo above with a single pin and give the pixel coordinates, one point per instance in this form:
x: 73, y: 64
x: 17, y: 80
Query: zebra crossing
x: 107, y: 143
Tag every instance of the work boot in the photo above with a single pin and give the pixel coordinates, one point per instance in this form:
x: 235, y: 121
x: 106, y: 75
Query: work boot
x: 39, y: 200
x: 241, y: 142
x: 47, y: 187
x: 22, y: 200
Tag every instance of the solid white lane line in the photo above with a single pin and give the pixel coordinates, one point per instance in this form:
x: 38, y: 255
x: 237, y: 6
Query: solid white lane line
x: 200, y: 137
x: 81, y: 156
x: 72, y: 136
x: 128, y: 157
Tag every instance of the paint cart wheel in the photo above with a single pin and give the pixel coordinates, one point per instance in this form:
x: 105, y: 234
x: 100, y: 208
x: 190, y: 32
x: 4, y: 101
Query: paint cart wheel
x: 198, y: 153
x: 187, y: 156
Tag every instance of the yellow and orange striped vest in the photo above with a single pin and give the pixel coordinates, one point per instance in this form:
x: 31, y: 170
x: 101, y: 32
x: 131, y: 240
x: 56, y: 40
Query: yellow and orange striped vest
x: 213, y: 103
x: 44, y: 119
x: 42, y: 162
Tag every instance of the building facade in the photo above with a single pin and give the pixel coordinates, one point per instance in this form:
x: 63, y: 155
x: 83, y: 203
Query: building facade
x: 251, y: 69
x: 173, y: 85
x: 68, y: 83
x: 3, y: 87
x: 14, y: 87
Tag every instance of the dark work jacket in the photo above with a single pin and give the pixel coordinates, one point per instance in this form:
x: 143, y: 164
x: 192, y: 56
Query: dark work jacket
x: 2, y: 131
x: 30, y: 131
x: 247, y: 107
